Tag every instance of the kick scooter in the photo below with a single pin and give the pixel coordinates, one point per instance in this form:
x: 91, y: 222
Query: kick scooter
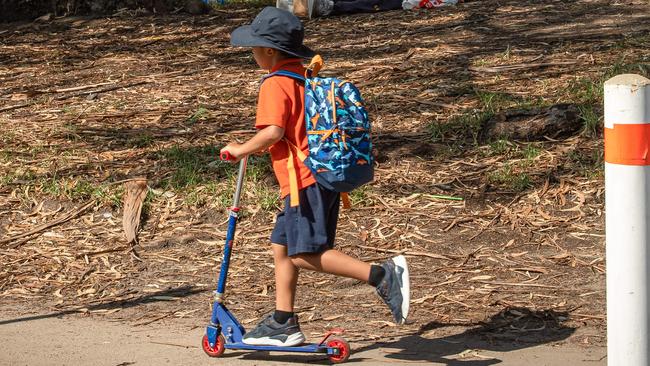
x: 225, y: 332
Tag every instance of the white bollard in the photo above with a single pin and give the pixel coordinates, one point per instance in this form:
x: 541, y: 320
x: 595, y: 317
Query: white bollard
x: 627, y: 210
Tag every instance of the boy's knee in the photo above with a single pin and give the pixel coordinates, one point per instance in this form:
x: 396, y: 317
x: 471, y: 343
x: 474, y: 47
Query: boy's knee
x: 301, y: 260
x: 297, y: 260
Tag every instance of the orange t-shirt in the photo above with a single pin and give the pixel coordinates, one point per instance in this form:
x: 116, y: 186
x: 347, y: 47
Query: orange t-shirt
x: 281, y: 103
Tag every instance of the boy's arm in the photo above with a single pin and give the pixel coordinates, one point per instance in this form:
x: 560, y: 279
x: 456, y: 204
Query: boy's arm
x: 262, y: 140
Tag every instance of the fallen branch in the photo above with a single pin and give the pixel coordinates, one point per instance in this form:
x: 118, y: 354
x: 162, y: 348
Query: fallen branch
x: 407, y: 252
x: 77, y: 88
x: 118, y: 249
x: 517, y: 284
x: 79, y: 94
x: 497, y: 69
x: 48, y: 225
x: 103, y: 90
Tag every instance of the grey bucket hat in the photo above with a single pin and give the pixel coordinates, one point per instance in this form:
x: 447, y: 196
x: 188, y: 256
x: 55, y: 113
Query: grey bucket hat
x: 273, y: 28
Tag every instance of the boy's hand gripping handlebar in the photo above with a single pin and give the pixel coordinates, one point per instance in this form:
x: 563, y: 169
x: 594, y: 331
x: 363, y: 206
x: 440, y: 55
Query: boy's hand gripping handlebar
x: 225, y: 156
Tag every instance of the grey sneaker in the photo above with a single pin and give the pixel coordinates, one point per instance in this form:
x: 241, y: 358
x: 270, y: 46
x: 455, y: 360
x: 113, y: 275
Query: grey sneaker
x: 323, y: 8
x: 394, y: 288
x: 271, y: 333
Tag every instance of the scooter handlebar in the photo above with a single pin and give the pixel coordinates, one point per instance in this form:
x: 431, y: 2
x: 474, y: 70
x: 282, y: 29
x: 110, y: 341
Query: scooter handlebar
x: 225, y: 156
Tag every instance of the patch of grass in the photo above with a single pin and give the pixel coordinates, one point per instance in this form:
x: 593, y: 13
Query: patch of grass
x: 586, y: 91
x: 80, y: 190
x: 530, y: 152
x: 109, y: 196
x: 588, y: 163
x: 622, y: 67
x: 507, y: 53
x: 360, y: 196
x: 527, y: 103
x: 77, y: 189
x: 74, y: 189
x: 591, y: 120
x: 69, y: 131
x: 506, y: 176
x: 590, y: 90
x: 141, y: 140
x: 494, y: 102
x: 471, y: 121
x: 466, y: 125
x: 53, y: 187
x: 500, y: 147
x: 268, y: 198
x: 190, y: 165
x: 200, y: 114
x: 224, y: 197
x: 6, y: 180
x: 480, y: 62
x: 440, y: 131
x: 259, y: 167
x: 5, y: 155
x: 196, y: 197
x: 203, y: 194
x: 201, y: 178
x: 7, y: 136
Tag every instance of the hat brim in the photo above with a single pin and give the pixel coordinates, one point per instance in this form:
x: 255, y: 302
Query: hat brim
x: 244, y: 37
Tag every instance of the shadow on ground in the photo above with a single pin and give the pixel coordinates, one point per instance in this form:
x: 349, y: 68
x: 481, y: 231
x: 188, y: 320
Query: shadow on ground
x: 509, y: 330
x: 182, y: 291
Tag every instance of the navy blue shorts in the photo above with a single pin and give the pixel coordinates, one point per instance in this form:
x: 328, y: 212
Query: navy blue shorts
x: 311, y: 226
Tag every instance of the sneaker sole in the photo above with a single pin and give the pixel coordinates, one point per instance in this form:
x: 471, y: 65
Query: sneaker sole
x: 400, y: 261
x: 292, y: 340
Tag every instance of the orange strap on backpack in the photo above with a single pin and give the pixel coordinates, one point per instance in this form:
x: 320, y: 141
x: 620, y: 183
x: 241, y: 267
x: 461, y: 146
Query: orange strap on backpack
x: 291, y: 168
x: 293, y: 177
x: 345, y: 198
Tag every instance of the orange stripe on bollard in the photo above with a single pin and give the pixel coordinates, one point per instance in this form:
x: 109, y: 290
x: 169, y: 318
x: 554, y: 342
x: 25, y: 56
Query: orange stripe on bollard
x: 628, y: 144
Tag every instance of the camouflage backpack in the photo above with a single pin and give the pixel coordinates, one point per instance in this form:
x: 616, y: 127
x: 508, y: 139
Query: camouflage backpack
x: 338, y: 134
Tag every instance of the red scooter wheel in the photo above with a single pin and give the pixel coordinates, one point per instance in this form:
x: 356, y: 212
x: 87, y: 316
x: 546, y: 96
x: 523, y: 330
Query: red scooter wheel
x: 343, y: 347
x: 218, y: 348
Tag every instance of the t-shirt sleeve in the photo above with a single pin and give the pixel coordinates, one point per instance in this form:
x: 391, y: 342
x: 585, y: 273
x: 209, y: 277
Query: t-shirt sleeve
x: 273, y: 105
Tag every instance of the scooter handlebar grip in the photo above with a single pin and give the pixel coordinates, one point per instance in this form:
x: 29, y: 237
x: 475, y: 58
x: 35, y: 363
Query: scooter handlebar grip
x: 225, y: 156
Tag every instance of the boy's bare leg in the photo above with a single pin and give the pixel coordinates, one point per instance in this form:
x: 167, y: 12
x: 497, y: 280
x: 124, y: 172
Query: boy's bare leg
x: 280, y: 328
x: 286, y: 278
x: 334, y: 262
x: 391, y: 278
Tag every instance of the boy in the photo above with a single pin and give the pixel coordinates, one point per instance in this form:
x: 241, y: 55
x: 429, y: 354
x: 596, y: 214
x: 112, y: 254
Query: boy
x: 303, y: 237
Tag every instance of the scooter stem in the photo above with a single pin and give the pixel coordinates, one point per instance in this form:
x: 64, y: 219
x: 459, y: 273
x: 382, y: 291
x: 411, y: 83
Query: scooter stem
x: 230, y: 235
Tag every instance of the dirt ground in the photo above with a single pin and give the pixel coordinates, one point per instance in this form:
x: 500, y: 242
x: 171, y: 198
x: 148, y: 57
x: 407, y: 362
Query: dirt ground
x: 505, y: 237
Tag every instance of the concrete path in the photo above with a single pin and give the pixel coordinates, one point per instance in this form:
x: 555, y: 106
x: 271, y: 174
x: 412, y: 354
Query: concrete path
x: 76, y: 340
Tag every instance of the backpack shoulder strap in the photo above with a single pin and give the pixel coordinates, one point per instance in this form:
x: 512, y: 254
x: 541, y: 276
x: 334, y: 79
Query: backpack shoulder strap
x: 291, y: 168
x: 286, y: 73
